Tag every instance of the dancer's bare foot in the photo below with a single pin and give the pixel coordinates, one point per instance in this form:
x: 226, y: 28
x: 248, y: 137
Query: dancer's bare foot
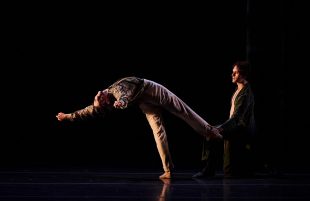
x: 166, y: 175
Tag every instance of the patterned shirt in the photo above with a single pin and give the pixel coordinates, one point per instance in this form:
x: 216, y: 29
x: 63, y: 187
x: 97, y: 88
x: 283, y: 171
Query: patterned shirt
x: 126, y: 90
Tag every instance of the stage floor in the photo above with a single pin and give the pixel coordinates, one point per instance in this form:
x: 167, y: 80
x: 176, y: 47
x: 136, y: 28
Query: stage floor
x: 144, y: 185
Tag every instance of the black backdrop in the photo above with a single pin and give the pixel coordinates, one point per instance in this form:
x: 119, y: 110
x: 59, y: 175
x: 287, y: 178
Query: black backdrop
x: 60, y: 56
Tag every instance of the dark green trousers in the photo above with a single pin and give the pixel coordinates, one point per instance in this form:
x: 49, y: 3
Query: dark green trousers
x: 233, y: 155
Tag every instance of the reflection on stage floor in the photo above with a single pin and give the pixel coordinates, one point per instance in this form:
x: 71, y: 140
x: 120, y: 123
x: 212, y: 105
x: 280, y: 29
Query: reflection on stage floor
x: 144, y: 185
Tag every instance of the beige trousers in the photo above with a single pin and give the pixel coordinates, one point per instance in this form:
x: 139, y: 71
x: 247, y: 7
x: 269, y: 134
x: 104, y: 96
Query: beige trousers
x: 157, y: 97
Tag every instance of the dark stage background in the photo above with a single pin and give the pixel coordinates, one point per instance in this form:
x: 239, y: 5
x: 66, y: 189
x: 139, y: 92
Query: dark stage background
x: 60, y: 56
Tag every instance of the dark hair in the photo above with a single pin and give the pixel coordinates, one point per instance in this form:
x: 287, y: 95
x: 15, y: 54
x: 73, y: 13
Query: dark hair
x: 243, y: 67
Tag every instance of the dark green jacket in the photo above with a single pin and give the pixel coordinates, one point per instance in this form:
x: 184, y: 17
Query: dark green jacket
x: 241, y: 125
x: 242, y: 119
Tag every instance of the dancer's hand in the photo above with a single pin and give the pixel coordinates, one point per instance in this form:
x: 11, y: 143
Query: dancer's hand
x: 62, y: 116
x: 119, y: 104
